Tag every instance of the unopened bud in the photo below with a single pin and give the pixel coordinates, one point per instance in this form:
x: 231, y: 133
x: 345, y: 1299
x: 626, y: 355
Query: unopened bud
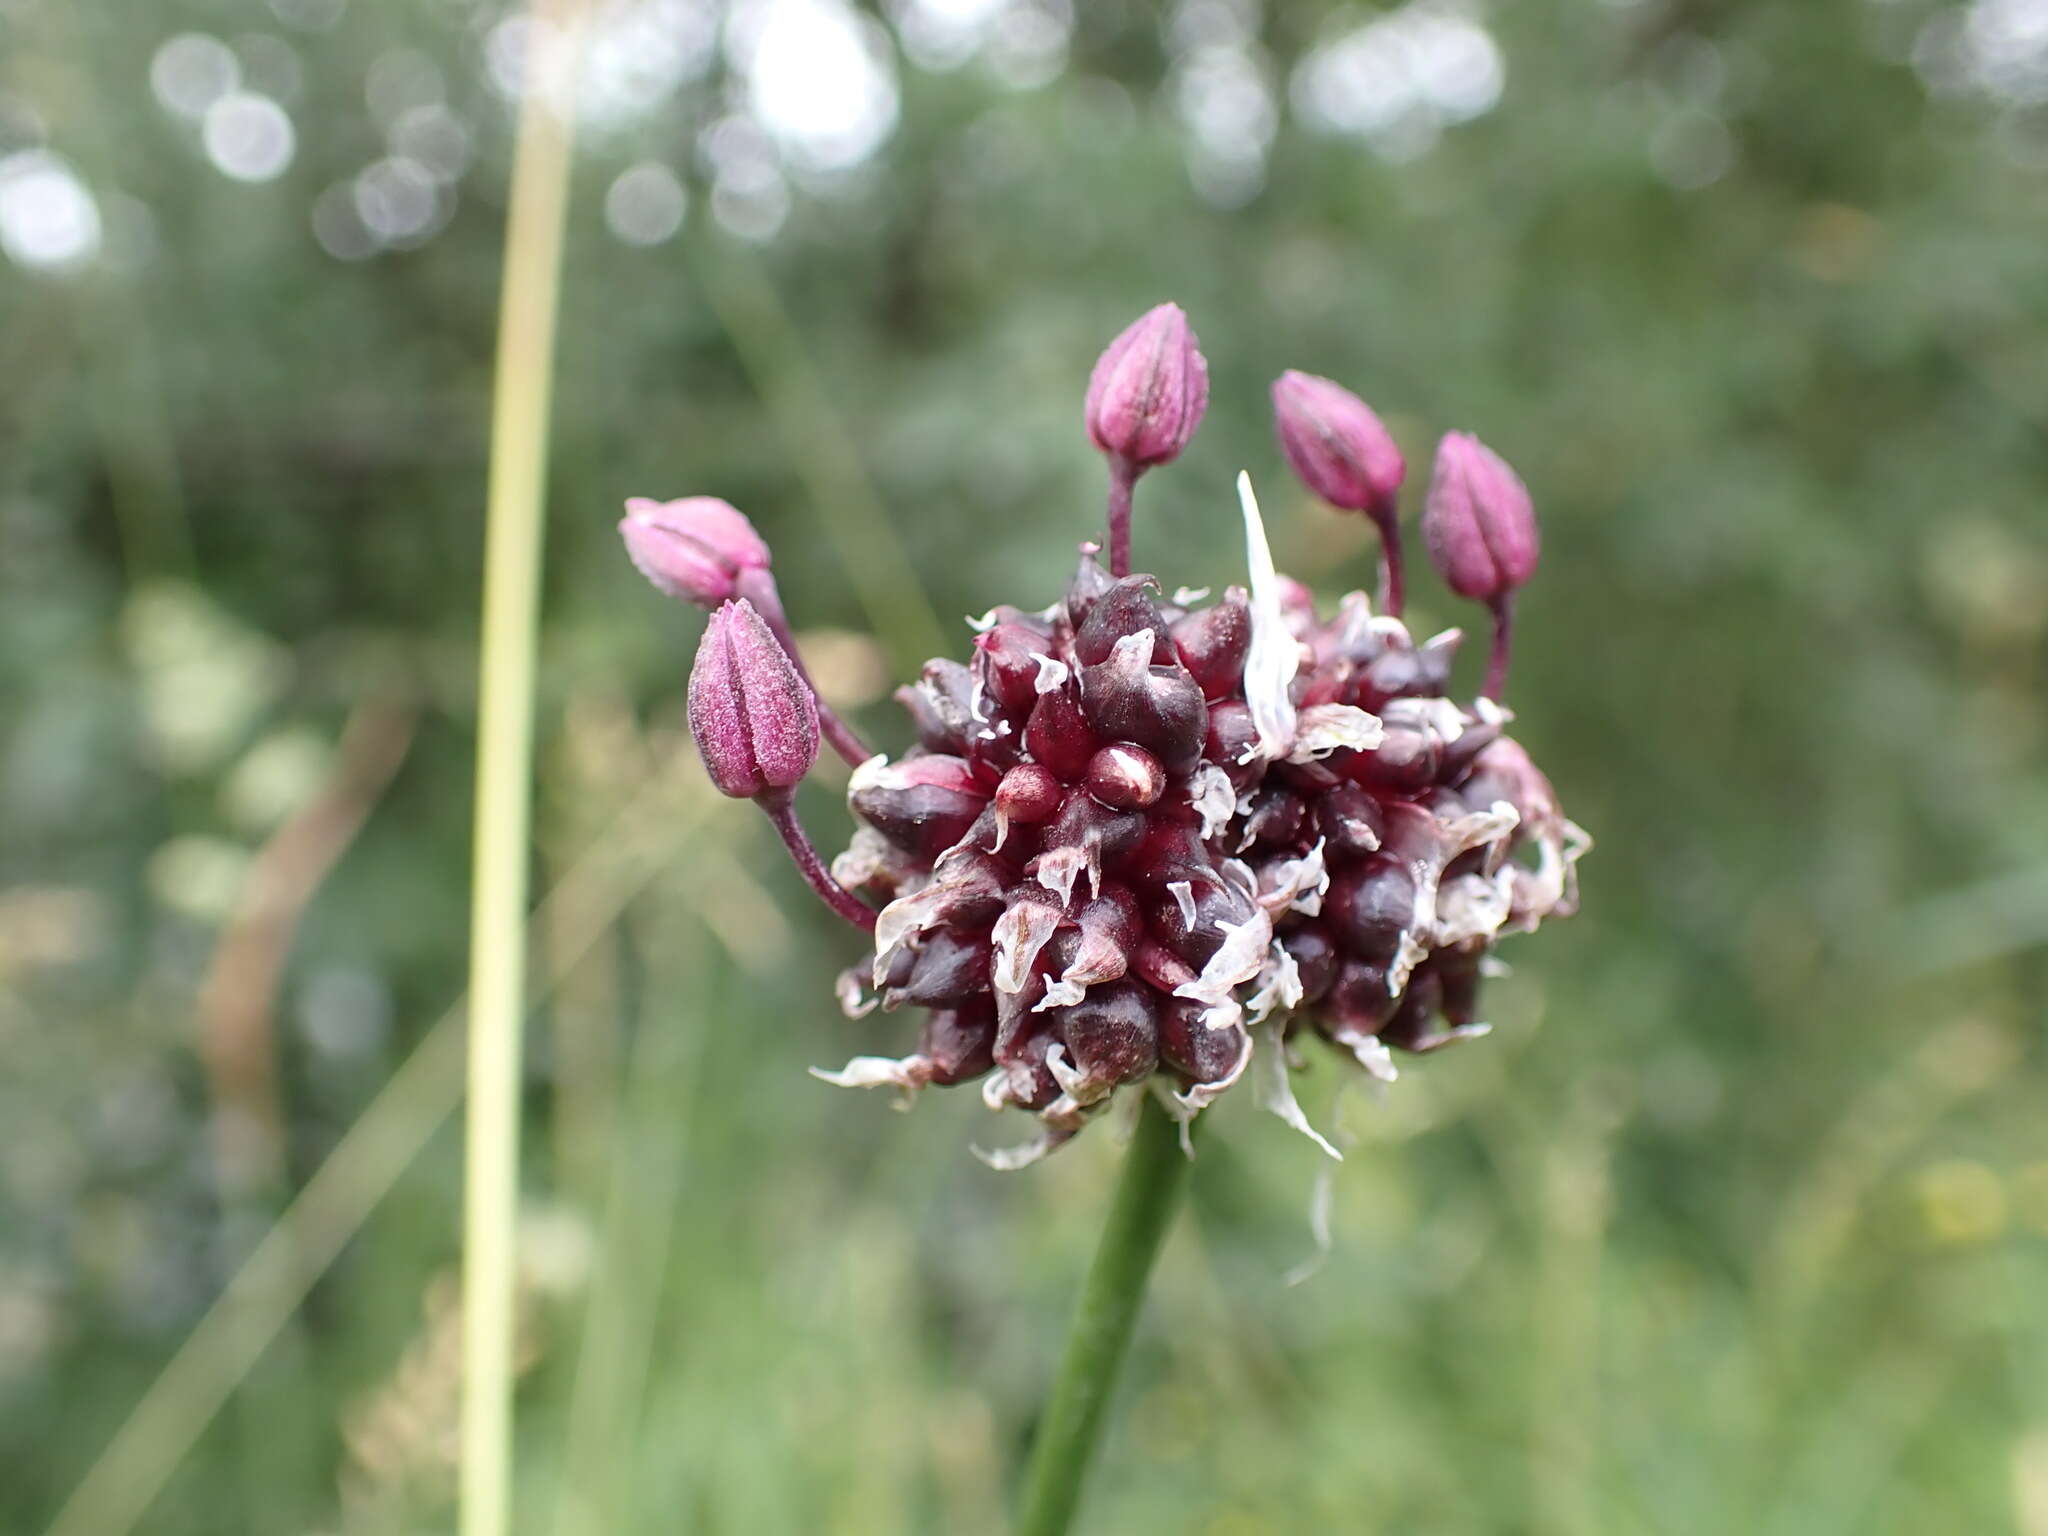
x: 694, y: 548
x: 1149, y: 389
x: 1336, y: 445
x: 1478, y: 521
x: 755, y: 721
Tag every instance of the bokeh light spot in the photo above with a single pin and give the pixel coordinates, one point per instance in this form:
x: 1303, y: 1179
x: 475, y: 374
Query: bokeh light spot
x: 248, y: 137
x: 645, y: 205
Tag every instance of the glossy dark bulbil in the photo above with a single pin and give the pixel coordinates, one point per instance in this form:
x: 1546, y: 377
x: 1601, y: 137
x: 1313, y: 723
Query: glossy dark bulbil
x: 1108, y: 881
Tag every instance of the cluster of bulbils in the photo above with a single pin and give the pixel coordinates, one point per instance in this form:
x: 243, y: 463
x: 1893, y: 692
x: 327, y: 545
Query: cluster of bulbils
x: 1148, y: 839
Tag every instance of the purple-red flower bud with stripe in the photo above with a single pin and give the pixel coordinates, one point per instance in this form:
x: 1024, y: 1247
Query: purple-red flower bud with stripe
x: 1336, y: 445
x: 755, y: 721
x: 694, y: 548
x: 1478, y: 521
x: 1149, y: 389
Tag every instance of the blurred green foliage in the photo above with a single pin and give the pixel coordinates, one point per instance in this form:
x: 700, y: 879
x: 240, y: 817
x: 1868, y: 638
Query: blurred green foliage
x: 1738, y: 1222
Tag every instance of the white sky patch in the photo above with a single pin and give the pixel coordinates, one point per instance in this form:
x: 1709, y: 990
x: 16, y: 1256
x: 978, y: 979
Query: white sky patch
x: 819, y: 78
x: 49, y: 220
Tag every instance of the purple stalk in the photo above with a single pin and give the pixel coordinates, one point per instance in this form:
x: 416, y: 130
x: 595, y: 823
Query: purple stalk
x: 781, y: 811
x: 1497, y: 660
x: 1123, y: 474
x: 1392, y: 595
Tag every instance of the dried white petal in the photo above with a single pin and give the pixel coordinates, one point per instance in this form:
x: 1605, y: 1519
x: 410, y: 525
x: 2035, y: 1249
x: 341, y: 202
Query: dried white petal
x: 866, y: 856
x: 903, y: 919
x: 1183, y: 894
x: 1327, y: 728
x: 1019, y: 934
x: 1183, y: 596
x: 1058, y: 868
x: 1275, y: 653
x: 1410, y: 953
x: 1321, y: 1197
x: 1010, y: 1159
x: 1299, y: 884
x: 1372, y: 1054
x: 1237, y: 960
x: 1279, y: 985
x: 1062, y: 993
x: 1052, y: 673
x: 909, y: 1074
x: 874, y: 774
x: 1273, y: 1090
x: 1063, y: 1072
x: 984, y: 624
x: 1240, y: 874
x: 1209, y: 792
x: 1473, y: 907
x: 854, y: 1000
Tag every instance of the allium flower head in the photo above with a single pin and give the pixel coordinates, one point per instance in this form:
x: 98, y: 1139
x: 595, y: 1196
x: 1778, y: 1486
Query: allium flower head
x: 1144, y: 837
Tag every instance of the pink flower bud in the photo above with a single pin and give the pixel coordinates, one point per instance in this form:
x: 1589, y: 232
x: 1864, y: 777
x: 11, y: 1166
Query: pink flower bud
x: 1336, y: 445
x: 1149, y: 389
x: 1478, y: 521
x: 694, y: 548
x: 755, y: 721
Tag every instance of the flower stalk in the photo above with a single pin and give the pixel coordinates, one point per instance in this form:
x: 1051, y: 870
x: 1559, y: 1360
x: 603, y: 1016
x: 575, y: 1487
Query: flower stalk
x: 1147, y: 1196
x: 781, y: 811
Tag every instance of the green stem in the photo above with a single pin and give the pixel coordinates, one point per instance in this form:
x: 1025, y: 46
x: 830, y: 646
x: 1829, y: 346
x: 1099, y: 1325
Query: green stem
x: 514, y: 520
x: 1155, y: 1171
